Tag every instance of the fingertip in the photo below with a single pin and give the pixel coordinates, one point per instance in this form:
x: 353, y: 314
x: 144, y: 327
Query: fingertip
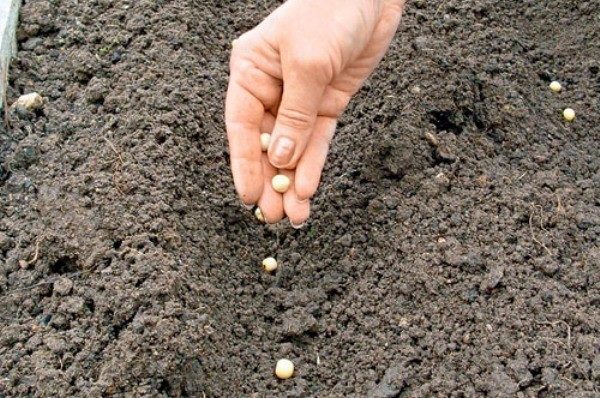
x: 305, y: 186
x: 271, y: 205
x: 300, y: 226
x: 273, y: 218
x: 296, y: 209
x: 310, y: 167
x: 308, y: 174
x: 248, y: 197
x: 272, y: 210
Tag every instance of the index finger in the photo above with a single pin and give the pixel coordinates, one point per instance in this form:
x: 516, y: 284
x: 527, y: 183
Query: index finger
x: 243, y: 117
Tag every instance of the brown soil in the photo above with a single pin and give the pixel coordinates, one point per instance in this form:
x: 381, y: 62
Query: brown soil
x: 465, y: 263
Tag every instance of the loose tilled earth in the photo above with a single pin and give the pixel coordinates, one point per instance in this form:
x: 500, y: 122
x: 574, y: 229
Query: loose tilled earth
x: 464, y: 262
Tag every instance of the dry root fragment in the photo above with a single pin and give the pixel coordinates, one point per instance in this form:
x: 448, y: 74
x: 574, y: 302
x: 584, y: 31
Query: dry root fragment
x: 432, y: 139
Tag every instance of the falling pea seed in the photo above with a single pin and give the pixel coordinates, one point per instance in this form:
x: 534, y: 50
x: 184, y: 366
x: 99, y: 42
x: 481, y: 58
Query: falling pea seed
x: 265, y: 139
x: 555, y: 86
x: 280, y: 183
x: 269, y: 264
x: 284, y: 369
x: 569, y: 114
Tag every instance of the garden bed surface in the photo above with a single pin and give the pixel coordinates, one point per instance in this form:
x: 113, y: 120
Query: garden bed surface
x: 129, y: 268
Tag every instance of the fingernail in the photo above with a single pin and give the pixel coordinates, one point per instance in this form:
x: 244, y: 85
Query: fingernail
x: 299, y: 226
x: 247, y: 207
x: 283, y: 150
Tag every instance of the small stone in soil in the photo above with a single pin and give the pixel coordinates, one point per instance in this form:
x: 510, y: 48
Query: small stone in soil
x: 31, y: 43
x: 492, y: 279
x: 5, y: 242
x: 45, y: 320
x: 432, y: 139
x: 444, y: 155
x: 63, y: 286
x: 31, y: 101
x: 394, y: 380
x: 116, y: 57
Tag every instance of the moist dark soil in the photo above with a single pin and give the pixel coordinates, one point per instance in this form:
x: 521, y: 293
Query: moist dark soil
x: 453, y: 248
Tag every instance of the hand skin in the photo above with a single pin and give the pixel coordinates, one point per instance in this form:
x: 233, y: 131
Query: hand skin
x: 293, y: 75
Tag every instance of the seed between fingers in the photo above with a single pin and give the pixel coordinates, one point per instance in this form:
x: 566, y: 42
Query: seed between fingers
x: 280, y: 183
x: 265, y: 140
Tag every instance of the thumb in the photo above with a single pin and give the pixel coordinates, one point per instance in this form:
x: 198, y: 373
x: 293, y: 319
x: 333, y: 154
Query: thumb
x: 303, y: 87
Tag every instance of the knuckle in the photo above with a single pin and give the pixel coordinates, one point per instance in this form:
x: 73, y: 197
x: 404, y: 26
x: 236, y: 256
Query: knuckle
x: 295, y: 118
x: 235, y: 57
x: 395, y: 5
x: 241, y: 53
x: 334, y: 103
x: 240, y: 66
x: 314, y: 63
x: 340, y: 102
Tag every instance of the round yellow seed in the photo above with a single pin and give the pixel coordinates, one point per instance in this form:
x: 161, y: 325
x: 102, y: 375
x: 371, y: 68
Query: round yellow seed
x: 555, y: 86
x: 265, y: 139
x: 284, y: 369
x: 280, y: 183
x: 259, y: 215
x: 269, y: 264
x: 569, y: 114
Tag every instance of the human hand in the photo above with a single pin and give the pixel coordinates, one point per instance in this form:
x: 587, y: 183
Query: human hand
x: 293, y: 75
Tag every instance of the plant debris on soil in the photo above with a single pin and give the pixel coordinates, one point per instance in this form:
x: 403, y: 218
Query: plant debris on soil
x: 453, y: 248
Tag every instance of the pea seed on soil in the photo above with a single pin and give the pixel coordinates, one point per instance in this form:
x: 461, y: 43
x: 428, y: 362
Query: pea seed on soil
x: 555, y: 86
x: 146, y: 281
x: 284, y: 369
x: 269, y: 264
x: 569, y: 114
